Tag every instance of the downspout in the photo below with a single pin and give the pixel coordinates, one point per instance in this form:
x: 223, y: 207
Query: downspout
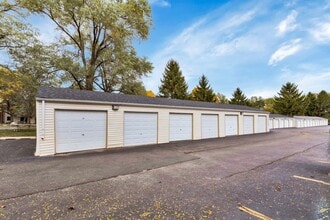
x: 43, y: 120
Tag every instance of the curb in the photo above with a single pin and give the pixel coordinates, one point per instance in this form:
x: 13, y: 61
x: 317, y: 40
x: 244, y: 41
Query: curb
x: 17, y: 138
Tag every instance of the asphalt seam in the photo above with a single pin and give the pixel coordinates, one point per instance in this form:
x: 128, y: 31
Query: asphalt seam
x: 272, y: 162
x: 94, y: 181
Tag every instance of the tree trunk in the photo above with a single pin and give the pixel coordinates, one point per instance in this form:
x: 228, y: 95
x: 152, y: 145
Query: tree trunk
x: 89, y: 82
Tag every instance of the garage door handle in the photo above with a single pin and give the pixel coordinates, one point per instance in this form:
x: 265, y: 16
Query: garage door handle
x: 83, y: 134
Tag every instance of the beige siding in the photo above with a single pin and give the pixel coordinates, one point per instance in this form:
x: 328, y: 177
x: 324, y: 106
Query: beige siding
x: 222, y: 124
x: 115, y: 128
x: 115, y: 122
x: 163, y: 126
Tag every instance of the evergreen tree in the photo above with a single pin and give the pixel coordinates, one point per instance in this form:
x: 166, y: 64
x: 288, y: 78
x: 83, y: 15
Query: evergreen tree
x: 310, y: 104
x: 289, y: 100
x: 323, y: 104
x: 173, y: 82
x: 203, y: 91
x: 238, y: 98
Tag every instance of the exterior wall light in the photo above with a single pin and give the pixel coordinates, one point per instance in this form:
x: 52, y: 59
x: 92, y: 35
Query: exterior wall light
x: 115, y: 107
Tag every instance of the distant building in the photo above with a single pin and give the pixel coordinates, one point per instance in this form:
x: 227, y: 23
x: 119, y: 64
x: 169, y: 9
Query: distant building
x: 6, y: 118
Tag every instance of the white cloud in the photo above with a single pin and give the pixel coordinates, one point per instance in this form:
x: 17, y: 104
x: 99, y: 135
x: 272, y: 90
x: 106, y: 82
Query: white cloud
x: 284, y: 51
x: 236, y: 45
x: 288, y: 24
x: 322, y: 32
x: 198, y: 47
x: 291, y: 3
x: 265, y: 93
x: 161, y: 3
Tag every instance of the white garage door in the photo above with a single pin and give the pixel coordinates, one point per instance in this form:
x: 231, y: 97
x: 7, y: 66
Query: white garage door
x: 247, y: 124
x: 79, y: 130
x: 305, y: 123
x: 140, y: 128
x: 209, y: 126
x: 286, y: 123
x: 276, y: 123
x: 280, y: 123
x: 299, y: 124
x: 180, y: 127
x: 231, y: 125
x: 290, y: 123
x: 262, y: 124
x: 271, y: 124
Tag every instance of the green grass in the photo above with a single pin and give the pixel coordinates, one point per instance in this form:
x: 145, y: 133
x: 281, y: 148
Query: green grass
x: 18, y: 133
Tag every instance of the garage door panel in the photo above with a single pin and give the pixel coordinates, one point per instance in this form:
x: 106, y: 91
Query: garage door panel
x: 180, y: 127
x: 276, y: 123
x: 79, y: 130
x: 271, y: 124
x: 248, y: 124
x: 140, y: 128
x: 231, y: 125
x: 209, y: 126
x: 262, y: 124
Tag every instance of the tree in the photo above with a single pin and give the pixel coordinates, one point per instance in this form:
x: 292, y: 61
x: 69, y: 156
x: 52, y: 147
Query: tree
x: 256, y: 102
x: 289, y: 100
x: 10, y: 88
x: 173, y: 83
x: 150, y: 93
x: 269, y: 105
x: 133, y: 88
x: 203, y: 91
x: 13, y: 32
x: 220, y: 98
x: 96, y: 41
x: 323, y: 104
x: 310, y: 104
x: 238, y: 98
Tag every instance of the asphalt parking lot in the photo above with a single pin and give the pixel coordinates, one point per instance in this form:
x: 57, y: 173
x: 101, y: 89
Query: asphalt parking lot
x: 280, y: 175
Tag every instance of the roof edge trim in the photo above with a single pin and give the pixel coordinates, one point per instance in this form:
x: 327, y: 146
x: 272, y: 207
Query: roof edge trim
x: 148, y: 105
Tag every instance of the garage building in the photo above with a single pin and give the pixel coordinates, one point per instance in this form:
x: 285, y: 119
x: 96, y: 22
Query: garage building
x: 74, y: 120
x: 280, y: 121
x: 309, y: 121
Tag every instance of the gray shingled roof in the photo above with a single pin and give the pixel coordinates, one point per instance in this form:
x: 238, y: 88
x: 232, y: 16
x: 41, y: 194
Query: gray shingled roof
x: 278, y: 116
x: 307, y: 117
x: 49, y: 93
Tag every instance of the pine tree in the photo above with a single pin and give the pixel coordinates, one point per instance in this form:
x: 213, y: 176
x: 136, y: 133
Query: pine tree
x: 323, y: 104
x: 173, y: 82
x: 238, y: 98
x: 203, y: 91
x: 310, y: 104
x: 289, y: 100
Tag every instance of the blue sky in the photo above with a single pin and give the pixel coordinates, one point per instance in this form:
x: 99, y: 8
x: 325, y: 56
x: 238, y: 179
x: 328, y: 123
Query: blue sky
x: 254, y: 45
